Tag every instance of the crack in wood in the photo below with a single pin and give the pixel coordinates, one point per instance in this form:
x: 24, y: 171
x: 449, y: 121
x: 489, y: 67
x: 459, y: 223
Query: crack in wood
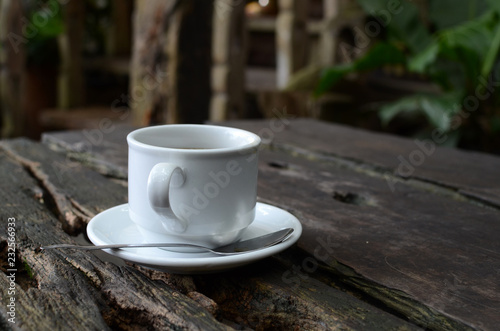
x: 90, y: 272
x: 275, y: 305
x: 100, y: 166
x: 75, y: 289
x: 386, y: 174
x: 79, y: 152
x: 393, y: 301
x: 278, y: 164
x: 79, y: 209
x: 73, y: 220
x: 421, y: 315
x: 353, y: 198
x: 183, y: 284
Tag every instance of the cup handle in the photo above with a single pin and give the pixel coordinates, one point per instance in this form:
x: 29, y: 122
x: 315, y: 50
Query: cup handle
x: 161, y: 178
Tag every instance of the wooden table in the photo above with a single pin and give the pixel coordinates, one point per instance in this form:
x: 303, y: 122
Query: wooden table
x: 397, y: 234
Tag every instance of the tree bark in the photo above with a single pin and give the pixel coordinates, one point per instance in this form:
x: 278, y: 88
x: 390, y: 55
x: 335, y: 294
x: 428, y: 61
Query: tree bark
x: 170, y: 73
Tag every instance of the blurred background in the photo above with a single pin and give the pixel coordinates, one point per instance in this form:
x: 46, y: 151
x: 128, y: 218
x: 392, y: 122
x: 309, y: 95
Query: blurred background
x: 422, y: 68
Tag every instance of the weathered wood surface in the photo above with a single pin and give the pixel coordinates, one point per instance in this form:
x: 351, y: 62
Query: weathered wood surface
x: 424, y: 239
x: 49, y: 195
x: 74, y: 290
x: 103, y: 151
x: 465, y: 175
x: 372, y: 256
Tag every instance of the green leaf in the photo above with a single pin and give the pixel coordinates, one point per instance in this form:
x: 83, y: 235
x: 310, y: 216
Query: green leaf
x: 420, y: 61
x: 492, y: 54
x: 494, y: 4
x: 470, y: 44
x: 373, y: 6
x: 448, y: 13
x: 495, y: 124
x: 380, y: 55
x: 46, y: 19
x: 332, y: 76
x: 438, y: 109
x: 468, y: 60
x: 391, y: 110
x: 450, y: 75
x: 402, y: 22
x: 53, y: 27
x: 475, y: 35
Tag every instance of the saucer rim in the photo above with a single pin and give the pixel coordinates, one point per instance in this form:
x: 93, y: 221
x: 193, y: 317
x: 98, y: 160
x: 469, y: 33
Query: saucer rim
x: 202, y: 262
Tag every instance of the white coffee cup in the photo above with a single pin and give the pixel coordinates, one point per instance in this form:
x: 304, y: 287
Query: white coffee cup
x: 192, y: 183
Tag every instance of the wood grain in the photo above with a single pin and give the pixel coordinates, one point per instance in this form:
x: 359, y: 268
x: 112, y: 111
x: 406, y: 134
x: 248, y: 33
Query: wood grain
x: 396, y: 159
x: 61, y: 289
x: 423, y: 246
x: 64, y: 290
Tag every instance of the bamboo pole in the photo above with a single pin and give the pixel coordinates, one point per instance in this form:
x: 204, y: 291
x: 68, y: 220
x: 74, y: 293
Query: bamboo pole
x: 71, y: 81
x: 291, y: 39
x: 229, y: 43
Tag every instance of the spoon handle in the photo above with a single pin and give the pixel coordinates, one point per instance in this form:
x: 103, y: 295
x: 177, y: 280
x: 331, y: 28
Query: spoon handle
x: 114, y: 246
x: 239, y: 247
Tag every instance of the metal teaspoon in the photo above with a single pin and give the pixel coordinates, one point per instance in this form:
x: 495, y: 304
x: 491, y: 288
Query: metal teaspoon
x: 239, y: 247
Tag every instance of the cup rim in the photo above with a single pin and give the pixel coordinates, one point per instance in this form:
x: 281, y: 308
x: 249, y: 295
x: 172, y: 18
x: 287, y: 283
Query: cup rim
x: 134, y: 142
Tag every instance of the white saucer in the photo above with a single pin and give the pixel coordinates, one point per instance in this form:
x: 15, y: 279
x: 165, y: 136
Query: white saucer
x: 114, y: 226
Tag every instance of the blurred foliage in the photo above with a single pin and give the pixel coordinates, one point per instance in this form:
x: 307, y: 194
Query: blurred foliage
x: 46, y: 22
x: 41, y: 30
x: 454, y: 46
x: 97, y: 22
